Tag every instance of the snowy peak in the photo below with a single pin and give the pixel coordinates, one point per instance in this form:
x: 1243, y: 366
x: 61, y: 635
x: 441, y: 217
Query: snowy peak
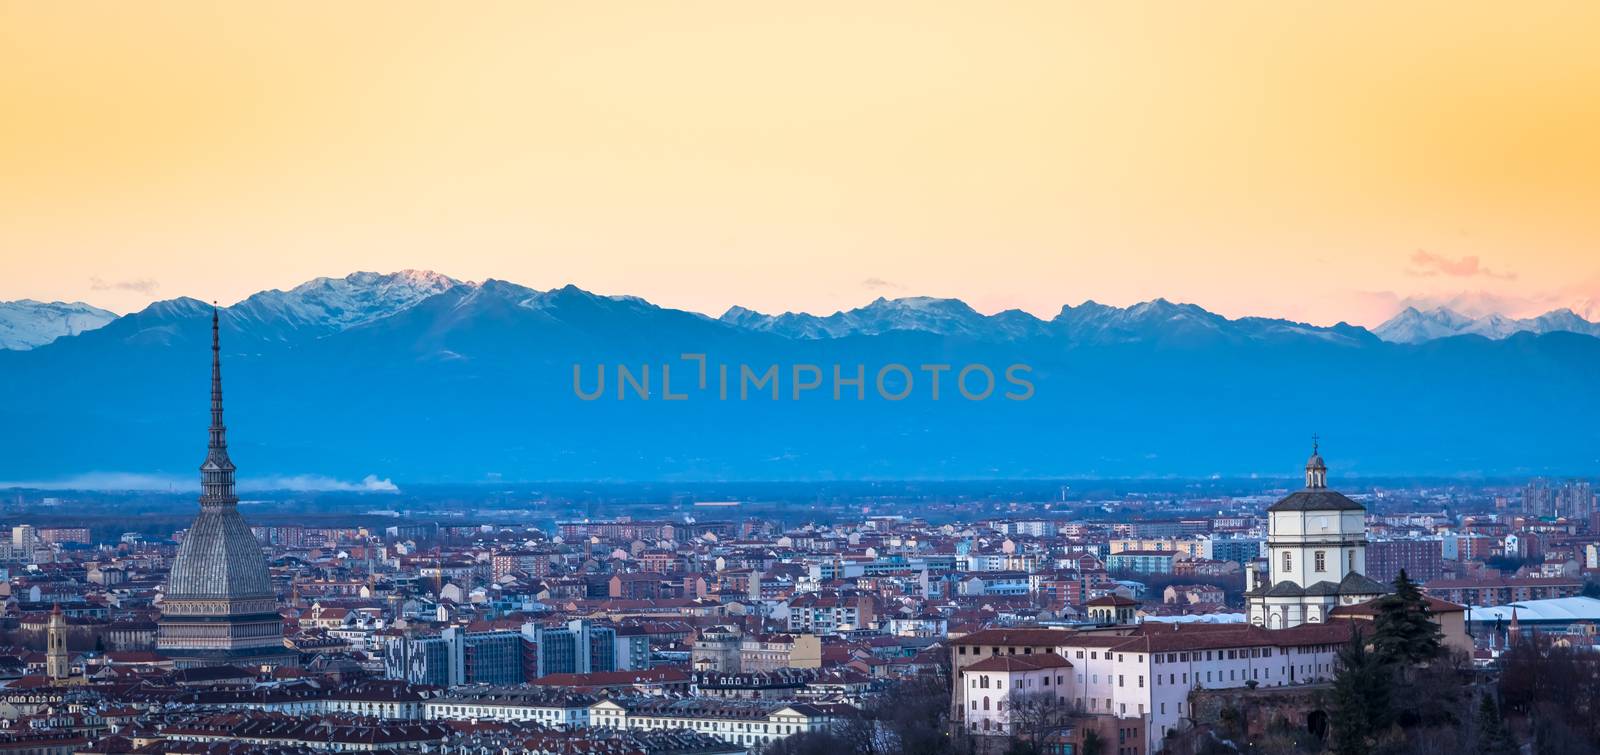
x: 1413, y: 325
x: 25, y: 324
x: 950, y: 317
x: 330, y: 305
x: 1155, y: 321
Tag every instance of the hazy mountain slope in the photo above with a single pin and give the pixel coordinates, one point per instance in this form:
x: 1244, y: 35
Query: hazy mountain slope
x: 476, y: 383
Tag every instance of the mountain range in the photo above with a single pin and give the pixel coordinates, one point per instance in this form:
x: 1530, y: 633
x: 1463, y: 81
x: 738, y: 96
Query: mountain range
x: 416, y: 377
x: 328, y: 305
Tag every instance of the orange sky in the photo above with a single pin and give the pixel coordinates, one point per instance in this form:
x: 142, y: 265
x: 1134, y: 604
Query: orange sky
x: 1313, y: 160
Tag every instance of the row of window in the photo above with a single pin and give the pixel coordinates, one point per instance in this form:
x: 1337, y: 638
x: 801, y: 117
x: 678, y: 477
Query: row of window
x: 1319, y: 561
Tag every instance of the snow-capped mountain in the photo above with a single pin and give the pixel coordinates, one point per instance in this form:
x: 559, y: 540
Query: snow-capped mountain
x: 950, y: 317
x: 1157, y: 320
x: 330, y: 305
x: 26, y: 323
x: 416, y: 376
x: 1414, y: 325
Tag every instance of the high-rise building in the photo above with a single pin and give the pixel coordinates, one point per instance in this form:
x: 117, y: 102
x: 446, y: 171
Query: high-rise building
x: 456, y: 656
x: 582, y: 647
x: 1317, y: 556
x: 1422, y: 559
x: 219, y: 606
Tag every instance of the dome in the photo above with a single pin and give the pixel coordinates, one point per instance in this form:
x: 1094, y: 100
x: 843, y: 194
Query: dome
x: 219, y: 559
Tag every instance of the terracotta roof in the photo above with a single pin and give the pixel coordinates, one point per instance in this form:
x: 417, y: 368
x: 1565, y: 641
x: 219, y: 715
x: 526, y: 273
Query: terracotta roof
x: 1010, y: 663
x: 1031, y: 637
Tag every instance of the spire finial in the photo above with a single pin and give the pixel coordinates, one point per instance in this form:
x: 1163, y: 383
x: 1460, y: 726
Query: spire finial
x: 216, y: 474
x: 1314, y: 439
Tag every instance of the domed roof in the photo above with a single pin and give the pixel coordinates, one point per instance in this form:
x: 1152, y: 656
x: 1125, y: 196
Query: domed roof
x: 1318, y: 499
x: 219, y: 559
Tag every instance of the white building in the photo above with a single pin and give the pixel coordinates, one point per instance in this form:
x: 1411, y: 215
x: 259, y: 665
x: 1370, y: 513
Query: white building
x: 1316, y: 556
x: 1146, y: 671
x: 996, y: 686
x: 544, y: 705
x: 752, y: 724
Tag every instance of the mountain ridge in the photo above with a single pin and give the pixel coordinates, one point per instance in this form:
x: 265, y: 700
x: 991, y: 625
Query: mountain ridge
x: 480, y: 381
x: 323, y: 306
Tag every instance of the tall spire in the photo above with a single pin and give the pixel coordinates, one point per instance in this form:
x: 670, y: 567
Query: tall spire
x: 216, y: 474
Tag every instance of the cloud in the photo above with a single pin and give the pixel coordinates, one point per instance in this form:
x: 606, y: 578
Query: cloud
x: 189, y: 483
x: 1428, y: 264
x: 141, y: 285
x: 110, y: 481
x: 368, y: 484
x: 876, y: 284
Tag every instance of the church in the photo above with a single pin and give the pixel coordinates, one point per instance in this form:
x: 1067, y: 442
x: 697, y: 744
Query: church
x: 1316, y: 556
x: 219, y: 606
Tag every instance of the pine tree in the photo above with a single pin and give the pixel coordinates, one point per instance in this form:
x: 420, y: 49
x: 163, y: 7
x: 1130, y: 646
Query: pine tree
x: 1360, y: 699
x: 1403, y: 629
x: 1493, y: 736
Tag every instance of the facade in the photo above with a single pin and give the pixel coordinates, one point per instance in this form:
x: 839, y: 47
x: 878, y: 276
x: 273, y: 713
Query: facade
x: 1000, y: 685
x: 455, y: 657
x: 1317, y: 556
x: 752, y: 724
x: 1422, y: 559
x: 1499, y: 591
x: 544, y: 705
x: 1240, y: 550
x: 1141, y: 562
x: 829, y: 613
x: 582, y: 647
x: 1145, y: 673
x: 219, y: 606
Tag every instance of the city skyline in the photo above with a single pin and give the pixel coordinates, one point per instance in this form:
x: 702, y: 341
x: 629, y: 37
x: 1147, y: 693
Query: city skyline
x: 701, y: 157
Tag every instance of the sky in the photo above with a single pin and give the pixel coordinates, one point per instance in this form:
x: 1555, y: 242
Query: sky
x: 1318, y: 161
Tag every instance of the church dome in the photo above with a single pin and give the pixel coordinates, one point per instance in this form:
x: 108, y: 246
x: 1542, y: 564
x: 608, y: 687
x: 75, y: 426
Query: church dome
x: 1316, y: 496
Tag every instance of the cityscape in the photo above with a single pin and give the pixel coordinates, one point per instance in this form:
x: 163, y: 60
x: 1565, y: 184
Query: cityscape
x: 536, y: 377
x: 1135, y: 623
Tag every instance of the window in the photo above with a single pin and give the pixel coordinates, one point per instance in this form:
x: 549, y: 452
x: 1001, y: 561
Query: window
x: 1322, y: 561
x: 1288, y: 561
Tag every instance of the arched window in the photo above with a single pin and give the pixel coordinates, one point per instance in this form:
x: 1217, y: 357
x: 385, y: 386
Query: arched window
x: 985, y: 702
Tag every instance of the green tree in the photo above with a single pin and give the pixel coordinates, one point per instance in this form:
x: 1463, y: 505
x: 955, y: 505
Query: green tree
x: 1093, y: 743
x: 1493, y: 736
x: 1360, y: 699
x: 1403, y: 629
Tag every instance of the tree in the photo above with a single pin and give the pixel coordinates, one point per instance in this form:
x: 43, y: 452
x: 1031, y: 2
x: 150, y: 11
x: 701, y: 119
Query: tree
x: 1093, y: 743
x: 1493, y: 736
x: 1403, y: 629
x: 1036, y: 716
x: 1360, y: 699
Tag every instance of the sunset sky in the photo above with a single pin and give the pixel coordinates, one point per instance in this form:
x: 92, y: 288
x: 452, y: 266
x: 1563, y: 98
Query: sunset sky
x: 1319, y: 161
